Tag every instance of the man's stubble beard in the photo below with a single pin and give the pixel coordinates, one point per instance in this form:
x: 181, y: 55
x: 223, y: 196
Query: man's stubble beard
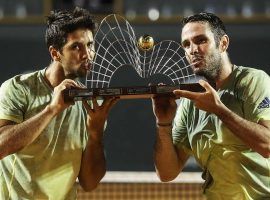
x: 74, y: 74
x: 213, y: 67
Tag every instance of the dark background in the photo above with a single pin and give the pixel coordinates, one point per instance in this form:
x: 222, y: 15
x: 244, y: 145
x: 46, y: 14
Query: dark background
x: 130, y: 133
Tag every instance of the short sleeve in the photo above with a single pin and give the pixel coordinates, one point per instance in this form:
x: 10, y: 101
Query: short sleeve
x: 179, y: 131
x: 256, y: 96
x: 12, y: 101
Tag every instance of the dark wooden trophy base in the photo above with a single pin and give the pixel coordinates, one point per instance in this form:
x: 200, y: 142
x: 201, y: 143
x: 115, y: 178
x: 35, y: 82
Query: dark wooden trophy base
x: 137, y: 92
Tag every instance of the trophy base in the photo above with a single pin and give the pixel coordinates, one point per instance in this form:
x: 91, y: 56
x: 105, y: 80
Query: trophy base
x: 136, y: 92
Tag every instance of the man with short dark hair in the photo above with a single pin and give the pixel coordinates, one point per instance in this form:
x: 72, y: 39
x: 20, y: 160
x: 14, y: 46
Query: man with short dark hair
x: 226, y: 129
x: 45, y: 142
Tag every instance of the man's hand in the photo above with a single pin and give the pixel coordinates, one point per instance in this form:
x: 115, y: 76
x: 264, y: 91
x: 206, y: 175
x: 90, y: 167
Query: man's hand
x: 98, y: 114
x: 164, y: 109
x: 58, y: 104
x: 208, y: 101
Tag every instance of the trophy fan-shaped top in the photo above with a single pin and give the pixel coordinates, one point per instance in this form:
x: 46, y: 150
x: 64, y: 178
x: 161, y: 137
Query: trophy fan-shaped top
x: 116, y: 45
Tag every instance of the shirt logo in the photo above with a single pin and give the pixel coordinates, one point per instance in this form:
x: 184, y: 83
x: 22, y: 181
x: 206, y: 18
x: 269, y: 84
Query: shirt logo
x: 265, y: 103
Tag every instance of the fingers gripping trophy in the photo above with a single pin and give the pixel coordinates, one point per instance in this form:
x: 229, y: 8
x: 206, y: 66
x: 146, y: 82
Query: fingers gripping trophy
x: 117, y: 47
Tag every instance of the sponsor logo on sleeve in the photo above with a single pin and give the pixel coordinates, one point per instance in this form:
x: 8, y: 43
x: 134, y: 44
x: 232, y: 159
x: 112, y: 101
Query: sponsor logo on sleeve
x: 265, y: 103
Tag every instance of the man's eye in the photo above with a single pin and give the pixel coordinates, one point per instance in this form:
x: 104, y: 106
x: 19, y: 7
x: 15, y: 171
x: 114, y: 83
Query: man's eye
x: 90, y: 45
x: 185, y: 46
x: 201, y: 41
x: 75, y: 47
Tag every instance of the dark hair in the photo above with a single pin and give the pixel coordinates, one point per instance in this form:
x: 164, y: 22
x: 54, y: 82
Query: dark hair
x: 62, y: 22
x: 216, y: 24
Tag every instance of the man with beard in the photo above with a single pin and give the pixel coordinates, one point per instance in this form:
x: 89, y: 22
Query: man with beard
x: 226, y: 129
x: 45, y: 142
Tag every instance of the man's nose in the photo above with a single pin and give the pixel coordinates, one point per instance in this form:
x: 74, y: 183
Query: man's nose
x: 88, y: 53
x: 92, y: 53
x: 193, y: 49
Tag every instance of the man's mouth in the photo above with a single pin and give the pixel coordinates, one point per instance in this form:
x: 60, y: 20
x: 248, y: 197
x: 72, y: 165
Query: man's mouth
x: 196, y: 61
x: 87, y: 65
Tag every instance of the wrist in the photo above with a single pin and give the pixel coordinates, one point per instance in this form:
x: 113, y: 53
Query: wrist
x: 223, y: 112
x: 96, y: 137
x: 164, y: 124
x: 51, y: 110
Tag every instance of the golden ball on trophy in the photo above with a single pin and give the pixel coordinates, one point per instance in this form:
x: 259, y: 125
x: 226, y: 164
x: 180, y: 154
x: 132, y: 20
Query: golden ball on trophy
x: 146, y: 42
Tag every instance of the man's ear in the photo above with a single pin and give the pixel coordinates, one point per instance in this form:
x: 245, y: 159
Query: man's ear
x: 224, y: 43
x: 54, y: 54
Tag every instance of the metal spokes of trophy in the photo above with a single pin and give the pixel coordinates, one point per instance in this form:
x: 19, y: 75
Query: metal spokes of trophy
x: 116, y: 46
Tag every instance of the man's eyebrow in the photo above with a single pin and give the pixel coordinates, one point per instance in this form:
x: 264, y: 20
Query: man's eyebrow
x: 74, y: 43
x: 78, y: 42
x: 195, y: 37
x: 200, y: 36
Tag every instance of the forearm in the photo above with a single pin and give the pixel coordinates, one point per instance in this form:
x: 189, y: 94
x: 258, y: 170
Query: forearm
x: 93, y: 165
x: 15, y: 137
x: 254, y: 135
x: 168, y: 164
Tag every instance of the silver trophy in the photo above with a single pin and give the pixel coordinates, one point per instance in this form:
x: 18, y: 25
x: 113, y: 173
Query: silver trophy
x: 117, y: 47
